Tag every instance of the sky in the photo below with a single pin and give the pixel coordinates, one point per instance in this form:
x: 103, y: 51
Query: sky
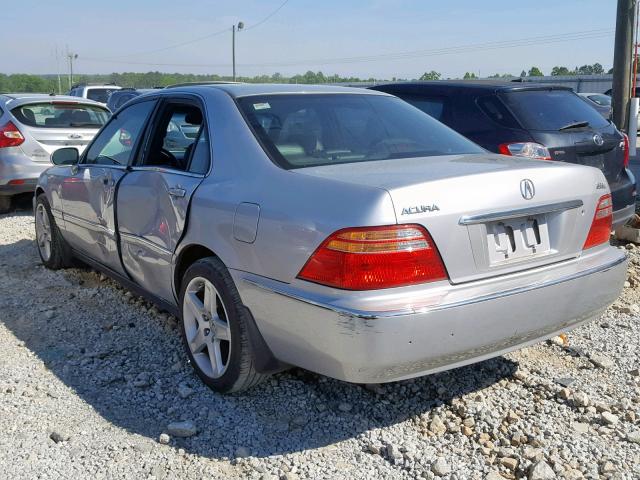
x: 364, y: 38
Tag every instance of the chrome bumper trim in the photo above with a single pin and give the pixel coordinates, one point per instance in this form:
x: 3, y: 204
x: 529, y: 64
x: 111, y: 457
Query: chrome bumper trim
x: 520, y: 212
x: 285, y: 290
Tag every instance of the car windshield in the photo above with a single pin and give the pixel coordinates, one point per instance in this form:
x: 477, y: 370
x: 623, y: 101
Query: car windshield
x: 100, y: 94
x: 552, y: 110
x: 602, y: 100
x: 61, y: 115
x: 306, y: 130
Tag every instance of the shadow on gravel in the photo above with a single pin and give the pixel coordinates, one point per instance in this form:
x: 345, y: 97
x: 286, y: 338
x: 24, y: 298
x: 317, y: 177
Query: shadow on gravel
x: 126, y: 361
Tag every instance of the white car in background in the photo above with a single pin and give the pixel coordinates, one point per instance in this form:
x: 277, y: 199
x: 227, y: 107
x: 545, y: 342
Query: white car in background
x: 96, y: 92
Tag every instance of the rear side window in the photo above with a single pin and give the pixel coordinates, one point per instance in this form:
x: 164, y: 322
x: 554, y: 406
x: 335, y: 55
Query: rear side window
x: 100, y: 94
x: 433, y: 106
x: 496, y: 111
x: 61, y: 115
x: 551, y: 110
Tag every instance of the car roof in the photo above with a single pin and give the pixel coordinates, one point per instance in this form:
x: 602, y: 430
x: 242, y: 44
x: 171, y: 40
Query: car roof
x: 469, y: 85
x: 24, y: 98
x: 237, y: 90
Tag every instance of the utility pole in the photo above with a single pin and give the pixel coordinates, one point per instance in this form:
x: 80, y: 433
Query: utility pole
x: 71, y: 57
x: 622, y: 62
x: 240, y: 26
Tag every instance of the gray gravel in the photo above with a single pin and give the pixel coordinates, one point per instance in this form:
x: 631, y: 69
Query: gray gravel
x: 94, y: 384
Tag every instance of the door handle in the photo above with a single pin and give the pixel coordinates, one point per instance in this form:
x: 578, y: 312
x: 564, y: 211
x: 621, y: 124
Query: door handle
x: 177, y: 192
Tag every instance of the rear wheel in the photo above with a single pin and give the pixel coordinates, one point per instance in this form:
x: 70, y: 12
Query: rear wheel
x: 214, y: 327
x: 53, y: 249
x: 5, y: 203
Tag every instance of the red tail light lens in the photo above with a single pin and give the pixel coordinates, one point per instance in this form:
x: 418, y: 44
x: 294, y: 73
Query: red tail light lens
x: 10, y: 136
x: 626, y: 150
x: 601, y: 226
x: 370, y: 258
x: 525, y: 149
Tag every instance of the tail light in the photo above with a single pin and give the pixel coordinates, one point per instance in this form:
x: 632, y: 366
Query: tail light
x: 601, y: 226
x: 375, y: 257
x: 525, y: 149
x: 626, y: 150
x: 10, y: 136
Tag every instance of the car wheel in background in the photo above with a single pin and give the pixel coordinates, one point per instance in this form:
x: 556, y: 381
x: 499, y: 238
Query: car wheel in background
x: 53, y: 249
x: 214, y: 327
x: 5, y: 203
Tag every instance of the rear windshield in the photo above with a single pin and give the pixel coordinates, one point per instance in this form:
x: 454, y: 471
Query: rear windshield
x: 61, y: 115
x: 601, y: 99
x: 307, y: 130
x: 551, y: 109
x: 100, y: 94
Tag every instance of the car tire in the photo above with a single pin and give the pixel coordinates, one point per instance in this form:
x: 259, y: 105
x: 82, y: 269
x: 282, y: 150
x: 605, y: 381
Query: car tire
x: 5, y: 203
x: 215, y: 328
x: 54, y: 251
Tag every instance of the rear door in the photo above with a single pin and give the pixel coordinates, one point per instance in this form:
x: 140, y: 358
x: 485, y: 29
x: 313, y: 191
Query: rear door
x: 153, y: 199
x: 50, y: 125
x: 88, y: 193
x: 571, y: 129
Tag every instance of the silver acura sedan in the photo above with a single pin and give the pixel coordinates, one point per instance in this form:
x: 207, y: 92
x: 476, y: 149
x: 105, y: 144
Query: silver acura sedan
x: 340, y: 230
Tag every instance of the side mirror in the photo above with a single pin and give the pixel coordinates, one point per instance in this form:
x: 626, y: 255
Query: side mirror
x: 65, y: 156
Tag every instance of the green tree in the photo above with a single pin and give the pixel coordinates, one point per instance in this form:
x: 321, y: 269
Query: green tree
x: 523, y: 74
x: 432, y: 75
x: 469, y: 76
x: 555, y: 71
x: 535, y: 72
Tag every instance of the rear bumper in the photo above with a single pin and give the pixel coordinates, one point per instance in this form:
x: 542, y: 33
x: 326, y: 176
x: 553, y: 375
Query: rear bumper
x: 384, y: 336
x: 623, y: 195
x: 15, y: 165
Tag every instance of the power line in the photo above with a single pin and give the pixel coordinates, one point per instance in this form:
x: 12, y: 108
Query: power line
x: 195, y: 40
x: 250, y: 27
x: 538, y: 40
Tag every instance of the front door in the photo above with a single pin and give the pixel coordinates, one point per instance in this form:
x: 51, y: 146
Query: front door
x: 153, y: 199
x: 88, y: 194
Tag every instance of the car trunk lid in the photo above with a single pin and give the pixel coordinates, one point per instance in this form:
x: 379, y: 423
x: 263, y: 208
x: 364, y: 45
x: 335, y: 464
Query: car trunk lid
x: 475, y: 209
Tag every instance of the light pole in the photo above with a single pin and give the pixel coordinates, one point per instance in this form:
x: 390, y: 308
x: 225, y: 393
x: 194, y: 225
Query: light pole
x: 71, y: 57
x: 239, y: 26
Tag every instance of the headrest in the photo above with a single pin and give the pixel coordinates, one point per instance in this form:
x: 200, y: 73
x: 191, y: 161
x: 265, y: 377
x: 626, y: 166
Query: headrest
x: 194, y: 117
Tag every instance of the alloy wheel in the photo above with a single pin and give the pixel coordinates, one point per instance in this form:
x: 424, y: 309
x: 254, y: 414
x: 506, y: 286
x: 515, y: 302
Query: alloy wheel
x: 206, y: 327
x: 43, y: 232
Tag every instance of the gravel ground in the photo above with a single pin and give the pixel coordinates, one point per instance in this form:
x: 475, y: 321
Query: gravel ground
x: 91, y: 379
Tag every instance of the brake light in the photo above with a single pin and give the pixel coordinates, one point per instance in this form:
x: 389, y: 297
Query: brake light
x: 370, y: 258
x: 625, y: 162
x: 525, y: 149
x: 601, y: 225
x: 10, y: 136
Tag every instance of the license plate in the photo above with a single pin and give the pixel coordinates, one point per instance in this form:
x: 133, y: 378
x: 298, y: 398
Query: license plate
x: 518, y: 238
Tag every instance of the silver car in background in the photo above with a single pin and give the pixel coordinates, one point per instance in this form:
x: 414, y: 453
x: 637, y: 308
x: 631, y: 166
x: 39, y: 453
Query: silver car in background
x: 599, y: 101
x: 340, y: 230
x: 32, y: 127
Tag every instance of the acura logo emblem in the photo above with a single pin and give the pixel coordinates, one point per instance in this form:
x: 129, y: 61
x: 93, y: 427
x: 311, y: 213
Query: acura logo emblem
x: 598, y: 140
x: 527, y: 189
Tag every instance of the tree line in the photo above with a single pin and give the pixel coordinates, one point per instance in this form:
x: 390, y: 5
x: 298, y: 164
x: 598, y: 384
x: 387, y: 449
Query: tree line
x: 21, y: 82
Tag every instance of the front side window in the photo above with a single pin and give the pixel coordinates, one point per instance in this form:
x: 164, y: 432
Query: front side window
x: 306, y: 130
x: 61, y: 115
x: 174, y: 139
x: 114, y: 145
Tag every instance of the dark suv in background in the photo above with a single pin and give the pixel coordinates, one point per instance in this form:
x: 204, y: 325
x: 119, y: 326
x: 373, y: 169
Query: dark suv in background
x: 540, y: 122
